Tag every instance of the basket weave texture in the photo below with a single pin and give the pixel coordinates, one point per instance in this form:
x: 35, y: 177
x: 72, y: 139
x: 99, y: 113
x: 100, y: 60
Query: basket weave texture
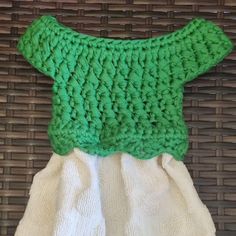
x: 25, y: 97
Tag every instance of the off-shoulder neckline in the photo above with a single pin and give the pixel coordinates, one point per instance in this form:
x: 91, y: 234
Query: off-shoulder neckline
x: 54, y: 25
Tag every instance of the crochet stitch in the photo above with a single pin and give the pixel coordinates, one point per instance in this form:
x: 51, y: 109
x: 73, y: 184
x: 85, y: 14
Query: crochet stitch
x: 121, y: 95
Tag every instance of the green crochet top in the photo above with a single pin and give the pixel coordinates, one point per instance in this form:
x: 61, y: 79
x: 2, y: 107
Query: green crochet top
x: 121, y: 95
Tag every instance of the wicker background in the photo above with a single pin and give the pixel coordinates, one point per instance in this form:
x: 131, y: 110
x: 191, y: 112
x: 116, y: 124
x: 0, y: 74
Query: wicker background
x: 25, y: 97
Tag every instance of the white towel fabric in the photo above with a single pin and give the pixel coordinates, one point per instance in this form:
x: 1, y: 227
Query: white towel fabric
x: 85, y: 195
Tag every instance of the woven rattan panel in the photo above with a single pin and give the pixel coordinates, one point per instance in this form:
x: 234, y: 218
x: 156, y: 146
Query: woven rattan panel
x: 25, y: 97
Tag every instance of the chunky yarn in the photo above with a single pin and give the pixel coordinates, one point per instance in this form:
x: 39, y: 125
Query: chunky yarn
x: 121, y: 95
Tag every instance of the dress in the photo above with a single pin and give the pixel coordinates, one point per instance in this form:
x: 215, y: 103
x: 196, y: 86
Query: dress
x: 117, y: 132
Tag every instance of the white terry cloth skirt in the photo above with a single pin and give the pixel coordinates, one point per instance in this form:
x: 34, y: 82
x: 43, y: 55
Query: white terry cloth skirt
x: 86, y: 195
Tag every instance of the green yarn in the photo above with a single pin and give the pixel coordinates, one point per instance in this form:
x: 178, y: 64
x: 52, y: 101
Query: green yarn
x: 121, y: 95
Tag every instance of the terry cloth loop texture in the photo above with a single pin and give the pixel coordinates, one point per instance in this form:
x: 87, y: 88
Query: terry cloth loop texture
x: 121, y: 95
x: 85, y: 195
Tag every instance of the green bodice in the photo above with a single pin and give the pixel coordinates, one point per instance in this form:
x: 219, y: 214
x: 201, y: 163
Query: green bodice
x: 121, y: 95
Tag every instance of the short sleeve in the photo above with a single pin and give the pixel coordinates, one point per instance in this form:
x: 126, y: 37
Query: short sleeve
x: 203, y: 48
x: 36, y: 45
